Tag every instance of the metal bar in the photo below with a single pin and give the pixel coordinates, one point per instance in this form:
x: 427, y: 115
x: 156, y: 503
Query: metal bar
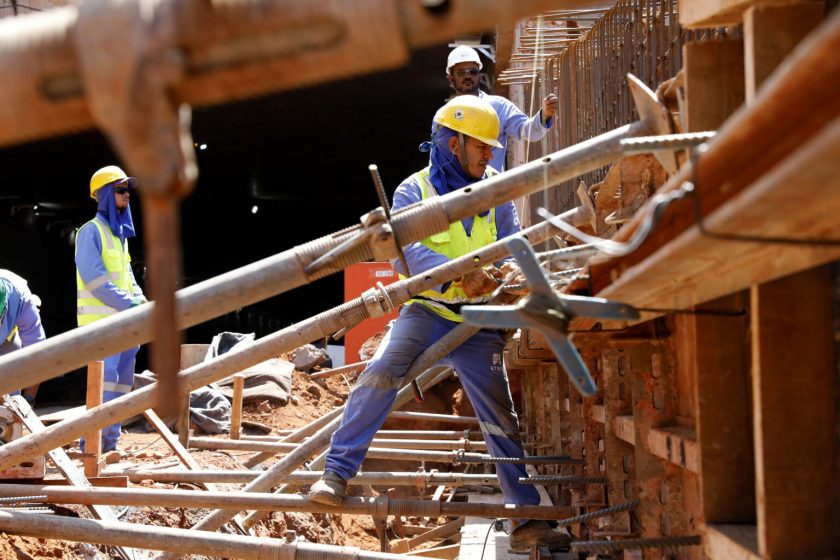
x: 446, y: 418
x: 350, y: 368
x: 402, y: 444
x: 402, y: 434
x: 303, y: 478
x: 634, y: 544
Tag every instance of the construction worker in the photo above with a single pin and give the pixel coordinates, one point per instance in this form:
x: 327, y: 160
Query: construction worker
x: 105, y: 283
x: 20, y: 319
x: 462, y: 69
x: 460, y: 155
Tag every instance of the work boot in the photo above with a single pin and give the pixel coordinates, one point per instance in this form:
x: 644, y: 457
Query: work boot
x: 536, y: 531
x: 330, y: 490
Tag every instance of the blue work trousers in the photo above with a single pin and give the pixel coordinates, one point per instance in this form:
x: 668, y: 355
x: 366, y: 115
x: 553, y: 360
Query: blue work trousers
x: 480, y: 367
x: 118, y: 379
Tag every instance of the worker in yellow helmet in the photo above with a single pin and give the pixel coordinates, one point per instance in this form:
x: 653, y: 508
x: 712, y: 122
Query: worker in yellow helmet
x: 105, y: 283
x: 467, y: 130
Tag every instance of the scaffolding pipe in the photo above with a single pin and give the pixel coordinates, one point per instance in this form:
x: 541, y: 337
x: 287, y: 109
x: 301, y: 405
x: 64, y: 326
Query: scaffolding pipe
x: 379, y: 506
x: 303, y: 478
x: 429, y: 416
x: 177, y: 541
x: 282, y: 447
x: 395, y: 434
x: 288, y: 270
x: 319, y: 326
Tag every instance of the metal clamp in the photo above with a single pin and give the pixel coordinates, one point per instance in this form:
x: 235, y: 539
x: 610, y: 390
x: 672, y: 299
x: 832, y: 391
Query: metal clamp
x: 549, y: 313
x: 377, y: 301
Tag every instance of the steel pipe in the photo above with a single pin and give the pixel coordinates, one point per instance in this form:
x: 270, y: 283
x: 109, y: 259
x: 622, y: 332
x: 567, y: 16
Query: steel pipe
x: 279, y: 447
x: 302, y: 478
x: 319, y: 326
x: 397, y: 434
x: 286, y: 271
x: 429, y: 416
x: 178, y: 541
x: 191, y: 499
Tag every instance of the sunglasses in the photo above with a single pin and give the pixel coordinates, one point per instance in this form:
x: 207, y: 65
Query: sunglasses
x: 465, y: 73
x: 120, y: 190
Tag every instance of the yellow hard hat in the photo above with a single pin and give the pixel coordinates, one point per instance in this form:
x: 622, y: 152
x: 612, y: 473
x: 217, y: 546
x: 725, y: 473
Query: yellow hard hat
x: 108, y: 175
x: 471, y: 116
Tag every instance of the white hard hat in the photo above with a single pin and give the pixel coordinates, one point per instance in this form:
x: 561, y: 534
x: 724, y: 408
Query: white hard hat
x: 462, y: 53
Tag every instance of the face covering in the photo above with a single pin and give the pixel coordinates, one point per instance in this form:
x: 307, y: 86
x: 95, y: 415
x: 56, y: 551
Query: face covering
x: 120, y: 222
x: 447, y: 174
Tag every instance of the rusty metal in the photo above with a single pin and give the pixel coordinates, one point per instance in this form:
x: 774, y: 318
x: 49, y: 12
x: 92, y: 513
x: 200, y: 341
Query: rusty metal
x: 563, y: 480
x: 644, y: 145
x: 606, y: 512
x: 635, y: 544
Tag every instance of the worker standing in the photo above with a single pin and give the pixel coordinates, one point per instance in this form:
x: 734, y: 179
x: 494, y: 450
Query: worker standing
x: 20, y: 319
x: 462, y: 69
x: 105, y: 283
x: 461, y: 151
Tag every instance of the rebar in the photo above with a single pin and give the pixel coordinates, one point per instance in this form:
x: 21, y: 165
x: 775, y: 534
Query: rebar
x: 278, y: 447
x: 22, y: 499
x: 600, y: 547
x: 646, y: 144
x: 563, y: 480
x: 527, y: 460
x: 606, y: 512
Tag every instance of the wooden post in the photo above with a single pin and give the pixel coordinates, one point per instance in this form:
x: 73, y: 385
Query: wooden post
x: 770, y: 33
x: 795, y: 417
x: 191, y: 354
x: 236, y: 412
x: 93, y: 397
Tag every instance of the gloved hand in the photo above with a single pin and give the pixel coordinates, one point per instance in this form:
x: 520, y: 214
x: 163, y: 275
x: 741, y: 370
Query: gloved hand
x: 479, y: 282
x: 513, y: 277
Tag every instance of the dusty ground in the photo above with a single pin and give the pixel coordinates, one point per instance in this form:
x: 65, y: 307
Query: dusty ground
x: 310, y: 400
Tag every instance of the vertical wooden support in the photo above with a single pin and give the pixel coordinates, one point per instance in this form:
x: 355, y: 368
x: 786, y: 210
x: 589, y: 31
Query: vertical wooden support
x: 191, y: 354
x: 617, y: 386
x: 794, y: 397
x: 714, y: 82
x: 236, y: 406
x: 592, y: 431
x: 93, y: 398
x: 770, y: 33
x: 714, y: 348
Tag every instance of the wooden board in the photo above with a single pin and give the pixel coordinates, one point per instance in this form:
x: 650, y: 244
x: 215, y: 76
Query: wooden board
x: 795, y: 415
x: 714, y: 82
x: 716, y: 13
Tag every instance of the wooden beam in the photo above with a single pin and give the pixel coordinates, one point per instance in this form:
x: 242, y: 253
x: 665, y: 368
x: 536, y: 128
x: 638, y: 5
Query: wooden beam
x: 93, y: 398
x: 800, y: 198
x: 794, y: 399
x: 770, y: 34
x: 714, y: 82
x: 717, y: 13
x: 723, y: 542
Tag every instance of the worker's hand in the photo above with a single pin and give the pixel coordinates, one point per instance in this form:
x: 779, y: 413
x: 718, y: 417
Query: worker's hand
x: 138, y: 300
x: 550, y: 107
x: 478, y: 282
x: 515, y: 277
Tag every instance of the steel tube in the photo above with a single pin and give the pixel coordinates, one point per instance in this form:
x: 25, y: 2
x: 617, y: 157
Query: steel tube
x: 303, y: 478
x: 428, y: 416
x: 397, y: 434
x: 279, y: 447
x: 178, y: 541
x: 285, y: 271
x: 190, y: 499
x: 323, y: 324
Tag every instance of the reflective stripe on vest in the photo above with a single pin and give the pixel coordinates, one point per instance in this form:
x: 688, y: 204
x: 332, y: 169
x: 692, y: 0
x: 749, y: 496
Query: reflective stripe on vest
x: 12, y: 334
x: 120, y: 388
x: 117, y: 263
x: 454, y: 243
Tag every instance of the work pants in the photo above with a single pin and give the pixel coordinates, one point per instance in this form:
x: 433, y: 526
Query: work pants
x: 118, y: 379
x: 480, y: 367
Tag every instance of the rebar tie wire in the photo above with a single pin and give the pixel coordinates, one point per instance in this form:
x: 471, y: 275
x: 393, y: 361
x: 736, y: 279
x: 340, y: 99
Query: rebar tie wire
x: 462, y: 457
x: 599, y: 547
x: 563, y: 480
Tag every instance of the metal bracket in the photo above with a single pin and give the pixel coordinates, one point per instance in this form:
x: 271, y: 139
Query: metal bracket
x: 549, y: 313
x: 377, y: 301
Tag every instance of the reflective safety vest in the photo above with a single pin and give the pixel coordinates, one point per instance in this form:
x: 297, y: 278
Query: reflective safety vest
x: 117, y: 263
x: 454, y: 243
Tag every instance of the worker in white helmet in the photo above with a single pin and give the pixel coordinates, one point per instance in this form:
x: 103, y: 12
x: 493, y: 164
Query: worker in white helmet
x: 105, y: 283
x: 463, y: 67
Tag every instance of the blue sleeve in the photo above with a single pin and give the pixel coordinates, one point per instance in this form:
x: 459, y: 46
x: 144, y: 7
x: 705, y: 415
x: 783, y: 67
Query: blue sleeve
x: 517, y: 124
x: 29, y: 322
x: 507, y: 224
x: 419, y: 257
x: 92, y: 270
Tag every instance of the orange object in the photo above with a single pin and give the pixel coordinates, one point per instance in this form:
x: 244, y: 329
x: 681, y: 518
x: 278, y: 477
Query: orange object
x: 357, y: 279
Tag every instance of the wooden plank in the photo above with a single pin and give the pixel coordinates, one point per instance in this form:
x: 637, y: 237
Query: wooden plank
x: 236, y: 411
x: 443, y: 552
x: 624, y: 428
x: 725, y: 542
x: 93, y: 398
x: 695, y: 14
x: 677, y: 445
x: 771, y: 32
x: 715, y: 349
x: 64, y: 464
x: 794, y: 392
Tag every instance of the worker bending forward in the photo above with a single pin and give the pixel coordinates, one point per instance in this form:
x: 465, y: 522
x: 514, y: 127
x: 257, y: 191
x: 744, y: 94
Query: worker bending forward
x: 460, y: 154
x: 105, y: 283
x: 20, y: 319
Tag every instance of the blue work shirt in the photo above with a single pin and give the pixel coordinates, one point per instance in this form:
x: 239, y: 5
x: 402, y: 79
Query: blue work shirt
x: 419, y: 257
x: 21, y: 311
x: 513, y: 122
x: 90, y: 266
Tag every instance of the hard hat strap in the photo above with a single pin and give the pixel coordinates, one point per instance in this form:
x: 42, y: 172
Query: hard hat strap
x: 462, y: 153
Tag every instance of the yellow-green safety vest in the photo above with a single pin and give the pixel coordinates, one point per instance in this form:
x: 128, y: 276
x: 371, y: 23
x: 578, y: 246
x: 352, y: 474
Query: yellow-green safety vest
x: 454, y: 243
x: 117, y: 263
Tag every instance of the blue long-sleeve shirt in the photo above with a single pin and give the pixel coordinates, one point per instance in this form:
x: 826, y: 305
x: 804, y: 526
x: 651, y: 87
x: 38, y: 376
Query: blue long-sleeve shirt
x: 419, y: 257
x: 92, y: 270
x: 21, y: 311
x: 513, y: 122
